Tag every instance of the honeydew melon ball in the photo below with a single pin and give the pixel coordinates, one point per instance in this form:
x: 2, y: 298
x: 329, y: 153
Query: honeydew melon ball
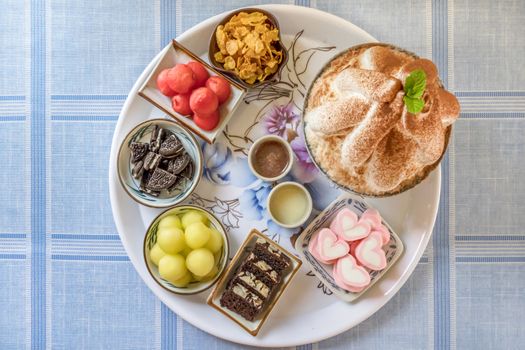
x: 192, y: 216
x: 155, y: 254
x: 208, y: 277
x: 172, y: 267
x: 183, y: 281
x: 200, y: 262
x: 214, y: 244
x: 197, y: 235
x: 170, y: 221
x: 171, y: 240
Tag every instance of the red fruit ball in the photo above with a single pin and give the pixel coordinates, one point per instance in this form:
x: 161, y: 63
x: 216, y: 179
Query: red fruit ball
x: 207, y: 121
x: 220, y: 87
x: 200, y: 72
x: 181, y: 79
x: 162, y: 83
x: 181, y: 104
x: 203, y: 101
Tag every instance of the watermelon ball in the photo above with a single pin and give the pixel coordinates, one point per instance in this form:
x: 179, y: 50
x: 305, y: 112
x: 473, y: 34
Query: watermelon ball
x: 162, y: 83
x: 181, y: 79
x: 203, y: 101
x: 207, y: 121
x: 181, y: 104
x: 201, y: 74
x: 220, y: 87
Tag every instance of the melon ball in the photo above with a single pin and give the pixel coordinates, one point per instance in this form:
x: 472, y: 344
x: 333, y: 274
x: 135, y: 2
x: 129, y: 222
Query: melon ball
x: 197, y: 235
x: 209, y: 276
x: 172, y: 267
x: 214, y: 244
x: 192, y: 216
x: 155, y: 254
x: 169, y: 221
x: 203, y: 101
x: 181, y: 79
x: 200, y: 262
x: 220, y: 87
x: 200, y: 72
x: 162, y: 83
x: 181, y: 104
x: 183, y: 281
x: 171, y: 240
x: 207, y: 121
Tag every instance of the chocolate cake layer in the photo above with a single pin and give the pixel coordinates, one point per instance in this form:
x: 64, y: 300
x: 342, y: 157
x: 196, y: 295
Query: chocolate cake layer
x: 241, y: 301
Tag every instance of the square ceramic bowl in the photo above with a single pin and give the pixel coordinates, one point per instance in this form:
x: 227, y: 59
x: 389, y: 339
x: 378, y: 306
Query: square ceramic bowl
x: 142, y: 133
x: 393, y: 249
x: 151, y: 238
x: 175, y: 53
x: 252, y: 327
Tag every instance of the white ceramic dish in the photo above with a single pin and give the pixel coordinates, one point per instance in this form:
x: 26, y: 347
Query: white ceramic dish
x: 393, y: 249
x: 175, y: 53
x: 252, y: 152
x: 304, y: 319
x: 221, y: 258
x: 307, y: 199
x: 142, y: 133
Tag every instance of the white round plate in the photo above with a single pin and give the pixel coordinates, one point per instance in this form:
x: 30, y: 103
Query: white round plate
x: 306, y: 313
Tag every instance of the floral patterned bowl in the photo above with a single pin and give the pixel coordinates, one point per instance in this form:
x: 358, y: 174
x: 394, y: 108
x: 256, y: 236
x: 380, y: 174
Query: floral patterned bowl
x: 142, y: 132
x: 221, y: 260
x: 393, y: 249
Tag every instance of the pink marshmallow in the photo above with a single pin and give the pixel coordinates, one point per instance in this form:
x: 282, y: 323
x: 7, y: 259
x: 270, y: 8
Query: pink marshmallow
x: 329, y: 246
x: 313, y: 249
x: 350, y: 276
x: 369, y: 252
x: 347, y: 226
x: 372, y: 217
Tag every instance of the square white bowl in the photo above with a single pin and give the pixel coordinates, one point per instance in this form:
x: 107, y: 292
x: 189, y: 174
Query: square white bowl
x: 393, y: 249
x: 175, y: 53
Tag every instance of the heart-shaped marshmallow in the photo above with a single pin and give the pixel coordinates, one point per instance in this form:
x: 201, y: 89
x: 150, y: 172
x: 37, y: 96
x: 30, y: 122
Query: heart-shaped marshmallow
x: 313, y: 248
x: 385, y: 233
x: 352, y: 276
x: 329, y: 246
x: 372, y: 217
x: 347, y: 226
x: 369, y: 252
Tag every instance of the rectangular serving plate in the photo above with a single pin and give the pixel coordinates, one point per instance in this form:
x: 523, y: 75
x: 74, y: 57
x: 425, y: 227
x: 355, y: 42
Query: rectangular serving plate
x: 393, y: 249
x: 252, y: 327
x: 175, y: 53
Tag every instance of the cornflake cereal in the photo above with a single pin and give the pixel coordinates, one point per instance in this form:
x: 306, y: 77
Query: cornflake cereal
x: 245, y: 47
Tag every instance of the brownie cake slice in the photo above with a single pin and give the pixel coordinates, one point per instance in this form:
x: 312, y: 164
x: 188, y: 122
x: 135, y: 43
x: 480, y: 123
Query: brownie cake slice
x: 240, y: 300
x: 262, y: 270
x: 271, y: 255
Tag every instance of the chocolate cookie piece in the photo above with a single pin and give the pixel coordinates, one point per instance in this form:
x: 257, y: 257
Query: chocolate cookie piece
x: 160, y: 180
x: 171, y: 147
x: 143, y: 183
x: 138, y: 170
x: 178, y: 164
x: 151, y: 161
x: 157, y: 136
x: 138, y: 151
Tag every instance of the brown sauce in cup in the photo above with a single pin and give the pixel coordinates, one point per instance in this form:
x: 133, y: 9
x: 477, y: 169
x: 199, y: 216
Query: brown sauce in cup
x: 270, y: 159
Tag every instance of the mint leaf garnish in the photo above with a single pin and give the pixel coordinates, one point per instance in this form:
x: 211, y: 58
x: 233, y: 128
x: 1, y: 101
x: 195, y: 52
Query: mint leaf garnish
x: 414, y: 105
x: 414, y: 88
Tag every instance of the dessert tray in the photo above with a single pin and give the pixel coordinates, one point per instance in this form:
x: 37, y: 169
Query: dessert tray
x: 230, y: 191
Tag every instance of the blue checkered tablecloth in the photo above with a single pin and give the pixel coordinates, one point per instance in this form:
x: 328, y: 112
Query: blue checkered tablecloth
x: 65, y: 70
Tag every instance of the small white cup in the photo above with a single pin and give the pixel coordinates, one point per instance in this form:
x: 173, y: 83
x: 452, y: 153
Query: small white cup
x: 257, y: 143
x: 308, y: 199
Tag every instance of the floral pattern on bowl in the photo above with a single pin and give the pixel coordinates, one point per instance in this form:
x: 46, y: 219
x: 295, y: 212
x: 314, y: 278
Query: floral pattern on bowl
x: 393, y: 249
